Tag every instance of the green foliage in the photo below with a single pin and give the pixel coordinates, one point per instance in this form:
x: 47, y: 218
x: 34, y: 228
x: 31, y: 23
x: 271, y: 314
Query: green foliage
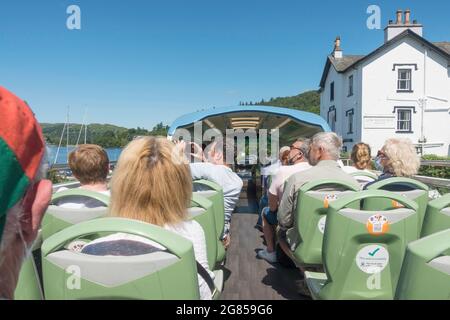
x: 308, y: 101
x: 105, y: 135
x: 437, y: 172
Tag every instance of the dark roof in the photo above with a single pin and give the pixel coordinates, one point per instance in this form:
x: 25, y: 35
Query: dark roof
x: 443, y: 46
x: 346, y: 62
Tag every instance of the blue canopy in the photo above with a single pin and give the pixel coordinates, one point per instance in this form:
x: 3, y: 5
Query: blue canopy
x: 299, y: 117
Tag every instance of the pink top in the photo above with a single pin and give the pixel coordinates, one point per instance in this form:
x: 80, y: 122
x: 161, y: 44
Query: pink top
x: 278, y: 180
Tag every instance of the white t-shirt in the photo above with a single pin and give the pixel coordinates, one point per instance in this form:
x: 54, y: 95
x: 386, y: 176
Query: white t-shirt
x: 223, y: 176
x: 81, y: 202
x: 277, y: 185
x: 192, y: 231
x: 362, y: 180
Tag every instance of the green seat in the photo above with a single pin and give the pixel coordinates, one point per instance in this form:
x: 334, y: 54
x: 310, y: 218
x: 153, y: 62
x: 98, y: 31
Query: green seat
x: 58, y: 218
x: 214, y: 193
x: 437, y: 217
x: 364, y: 177
x: 426, y: 269
x: 169, y: 274
x: 29, y: 284
x: 311, y: 213
x: 362, y: 258
x: 202, y: 211
x: 419, y: 195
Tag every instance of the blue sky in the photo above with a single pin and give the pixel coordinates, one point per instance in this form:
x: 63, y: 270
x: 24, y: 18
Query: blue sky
x: 139, y: 62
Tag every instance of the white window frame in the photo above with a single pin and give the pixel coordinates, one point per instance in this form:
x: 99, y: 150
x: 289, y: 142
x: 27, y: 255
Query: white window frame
x: 407, y: 121
x: 407, y: 81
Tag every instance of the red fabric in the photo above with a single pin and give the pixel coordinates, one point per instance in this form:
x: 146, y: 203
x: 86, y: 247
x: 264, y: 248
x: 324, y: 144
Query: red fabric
x: 21, y: 132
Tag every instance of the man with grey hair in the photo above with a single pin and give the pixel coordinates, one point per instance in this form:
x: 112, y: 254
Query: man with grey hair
x: 323, y: 155
x: 24, y: 196
x: 297, y: 162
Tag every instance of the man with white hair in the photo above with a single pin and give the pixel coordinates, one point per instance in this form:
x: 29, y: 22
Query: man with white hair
x: 24, y: 196
x: 323, y: 156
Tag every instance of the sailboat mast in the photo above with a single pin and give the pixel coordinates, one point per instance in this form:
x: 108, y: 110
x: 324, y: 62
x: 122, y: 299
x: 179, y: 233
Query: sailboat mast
x: 68, y: 125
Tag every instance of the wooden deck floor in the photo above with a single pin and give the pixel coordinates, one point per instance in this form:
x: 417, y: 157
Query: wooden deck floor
x: 246, y: 276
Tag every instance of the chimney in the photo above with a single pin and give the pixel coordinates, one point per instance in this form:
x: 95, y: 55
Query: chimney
x: 407, y: 17
x: 394, y: 29
x: 399, y: 17
x: 337, y: 52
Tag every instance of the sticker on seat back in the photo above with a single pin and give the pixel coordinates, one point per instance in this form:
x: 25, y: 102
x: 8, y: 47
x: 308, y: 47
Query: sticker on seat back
x: 321, y: 224
x: 372, y: 259
x: 329, y: 198
x: 377, y: 224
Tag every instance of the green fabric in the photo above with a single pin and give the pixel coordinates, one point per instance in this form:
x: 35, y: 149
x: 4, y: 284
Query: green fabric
x: 13, y: 182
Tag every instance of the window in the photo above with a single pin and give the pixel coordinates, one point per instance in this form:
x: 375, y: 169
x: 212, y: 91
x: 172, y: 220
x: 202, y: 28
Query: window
x: 404, y: 120
x: 404, y: 80
x: 350, y: 85
x: 332, y: 118
x: 332, y: 91
x: 350, y: 113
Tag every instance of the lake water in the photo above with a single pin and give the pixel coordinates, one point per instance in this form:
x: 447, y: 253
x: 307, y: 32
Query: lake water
x: 113, y: 154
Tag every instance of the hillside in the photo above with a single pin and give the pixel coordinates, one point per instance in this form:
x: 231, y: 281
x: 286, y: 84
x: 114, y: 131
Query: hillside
x: 307, y: 101
x: 106, y: 135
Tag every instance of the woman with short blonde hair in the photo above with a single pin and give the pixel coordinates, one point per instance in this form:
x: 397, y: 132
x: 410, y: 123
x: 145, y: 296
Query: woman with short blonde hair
x: 399, y: 158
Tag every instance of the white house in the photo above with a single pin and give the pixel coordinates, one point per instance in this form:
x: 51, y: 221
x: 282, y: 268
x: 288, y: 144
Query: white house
x: 401, y: 89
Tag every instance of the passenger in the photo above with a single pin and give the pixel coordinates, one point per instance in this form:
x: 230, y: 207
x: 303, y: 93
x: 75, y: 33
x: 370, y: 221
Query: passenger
x: 148, y: 185
x: 218, y: 171
x: 397, y: 158
x: 362, y: 162
x: 267, y: 172
x: 298, y: 162
x: 323, y: 155
x: 24, y: 194
x: 90, y: 165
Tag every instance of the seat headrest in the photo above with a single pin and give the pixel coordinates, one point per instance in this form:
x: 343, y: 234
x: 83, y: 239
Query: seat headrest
x: 362, y: 216
x: 74, y: 216
x: 111, y: 271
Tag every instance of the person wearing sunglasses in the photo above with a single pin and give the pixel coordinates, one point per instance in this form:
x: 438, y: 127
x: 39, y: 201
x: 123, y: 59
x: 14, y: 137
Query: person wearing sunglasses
x: 297, y: 162
x: 397, y: 158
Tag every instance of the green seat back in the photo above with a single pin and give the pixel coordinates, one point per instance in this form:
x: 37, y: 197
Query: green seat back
x: 361, y: 260
x: 170, y: 274
x: 426, y: 269
x: 437, y: 217
x: 29, y: 284
x: 419, y: 195
x: 202, y: 211
x: 363, y: 177
x: 312, y: 207
x: 58, y: 218
x: 214, y: 193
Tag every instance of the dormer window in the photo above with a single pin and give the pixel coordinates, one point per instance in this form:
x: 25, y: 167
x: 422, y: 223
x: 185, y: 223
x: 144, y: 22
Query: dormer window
x: 404, y: 83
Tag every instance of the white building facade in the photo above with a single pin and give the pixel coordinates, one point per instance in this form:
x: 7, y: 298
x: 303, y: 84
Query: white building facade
x: 402, y: 89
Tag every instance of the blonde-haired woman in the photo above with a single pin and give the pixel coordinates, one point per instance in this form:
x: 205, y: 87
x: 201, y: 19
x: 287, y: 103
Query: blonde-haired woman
x: 150, y: 185
x: 360, y: 156
x: 397, y: 158
x: 361, y: 159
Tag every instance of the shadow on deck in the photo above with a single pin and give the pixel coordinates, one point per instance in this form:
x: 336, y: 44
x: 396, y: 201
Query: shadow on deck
x: 246, y: 276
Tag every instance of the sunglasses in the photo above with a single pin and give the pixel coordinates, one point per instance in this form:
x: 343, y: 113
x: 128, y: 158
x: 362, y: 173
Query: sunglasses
x: 381, y: 154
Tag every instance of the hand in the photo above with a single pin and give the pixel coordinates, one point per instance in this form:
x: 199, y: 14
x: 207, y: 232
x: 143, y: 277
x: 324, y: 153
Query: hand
x: 226, y: 241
